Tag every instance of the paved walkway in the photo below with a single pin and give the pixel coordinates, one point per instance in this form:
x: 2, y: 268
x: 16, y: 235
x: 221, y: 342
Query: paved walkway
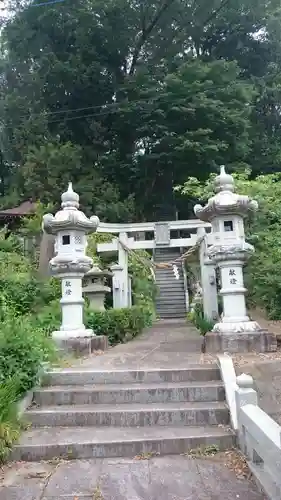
x: 160, y: 478
x: 169, y: 344
x: 157, y: 478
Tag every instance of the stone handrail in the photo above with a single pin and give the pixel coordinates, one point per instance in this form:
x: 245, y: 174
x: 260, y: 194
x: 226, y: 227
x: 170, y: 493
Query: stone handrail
x: 259, y: 438
x: 228, y: 376
x: 185, y: 284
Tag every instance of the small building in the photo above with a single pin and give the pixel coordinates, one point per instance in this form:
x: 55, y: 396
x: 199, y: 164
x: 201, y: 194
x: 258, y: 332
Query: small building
x: 11, y: 217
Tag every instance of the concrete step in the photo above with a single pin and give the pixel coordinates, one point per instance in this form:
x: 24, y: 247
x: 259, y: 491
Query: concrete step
x: 175, y: 288
x: 171, y: 308
x: 79, y: 376
x: 134, y: 393
x: 171, y: 315
x: 166, y: 255
x: 164, y: 271
x: 167, y: 273
x: 169, y: 278
x: 169, y: 261
x: 162, y: 312
x: 130, y: 415
x: 171, y: 297
x: 174, y: 297
x: 165, y: 300
x: 102, y: 442
x: 170, y: 284
x: 165, y: 258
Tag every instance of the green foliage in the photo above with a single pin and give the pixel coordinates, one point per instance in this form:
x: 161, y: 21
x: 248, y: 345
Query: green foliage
x: 144, y: 289
x: 93, y: 240
x: 202, y: 323
x: 24, y: 342
x: 11, y: 244
x: 32, y: 226
x: 48, y: 318
x: 23, y: 349
x: 119, y: 325
x: 25, y: 294
x: 9, y: 422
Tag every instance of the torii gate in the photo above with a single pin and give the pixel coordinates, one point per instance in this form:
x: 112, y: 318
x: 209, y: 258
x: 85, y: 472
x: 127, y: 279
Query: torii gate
x: 133, y: 237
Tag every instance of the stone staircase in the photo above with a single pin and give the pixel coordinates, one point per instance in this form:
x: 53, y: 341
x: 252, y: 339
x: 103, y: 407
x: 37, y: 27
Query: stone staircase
x: 81, y: 413
x: 170, y: 302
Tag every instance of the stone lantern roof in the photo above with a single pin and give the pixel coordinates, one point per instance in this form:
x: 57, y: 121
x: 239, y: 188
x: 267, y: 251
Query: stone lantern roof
x: 225, y: 201
x: 70, y: 217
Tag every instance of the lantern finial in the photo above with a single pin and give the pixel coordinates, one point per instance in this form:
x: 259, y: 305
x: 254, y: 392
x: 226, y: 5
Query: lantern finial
x: 224, y: 181
x: 70, y: 199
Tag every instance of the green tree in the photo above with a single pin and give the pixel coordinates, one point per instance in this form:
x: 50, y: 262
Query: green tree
x: 108, y: 77
x: 47, y: 171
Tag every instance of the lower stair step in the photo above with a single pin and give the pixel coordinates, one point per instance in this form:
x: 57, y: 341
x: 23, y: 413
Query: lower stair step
x: 101, y: 442
x: 130, y: 415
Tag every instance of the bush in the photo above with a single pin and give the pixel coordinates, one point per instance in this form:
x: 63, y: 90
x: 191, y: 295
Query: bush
x: 9, y: 422
x: 25, y: 295
x: 202, y: 323
x: 48, y: 319
x: 119, y: 325
x: 144, y: 288
x: 24, y: 346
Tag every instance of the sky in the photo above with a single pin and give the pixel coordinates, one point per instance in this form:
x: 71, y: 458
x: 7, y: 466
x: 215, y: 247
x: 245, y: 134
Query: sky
x: 4, y: 5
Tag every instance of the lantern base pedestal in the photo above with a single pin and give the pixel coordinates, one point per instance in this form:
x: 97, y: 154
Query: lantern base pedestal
x: 235, y: 342
x: 80, y: 342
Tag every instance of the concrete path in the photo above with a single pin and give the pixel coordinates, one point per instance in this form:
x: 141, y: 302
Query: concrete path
x: 160, y: 478
x: 169, y: 345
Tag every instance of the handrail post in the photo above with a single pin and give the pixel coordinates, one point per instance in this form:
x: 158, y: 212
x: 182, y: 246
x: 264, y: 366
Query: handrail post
x: 245, y: 394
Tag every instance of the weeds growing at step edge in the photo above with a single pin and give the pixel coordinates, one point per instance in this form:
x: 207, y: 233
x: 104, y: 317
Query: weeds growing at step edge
x: 202, y: 323
x: 10, y: 424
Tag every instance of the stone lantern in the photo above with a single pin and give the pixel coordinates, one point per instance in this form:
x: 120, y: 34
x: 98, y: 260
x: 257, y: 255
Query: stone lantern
x: 229, y: 251
x: 70, y: 227
x: 94, y: 287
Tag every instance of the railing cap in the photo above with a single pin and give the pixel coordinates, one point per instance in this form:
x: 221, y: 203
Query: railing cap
x: 245, y: 381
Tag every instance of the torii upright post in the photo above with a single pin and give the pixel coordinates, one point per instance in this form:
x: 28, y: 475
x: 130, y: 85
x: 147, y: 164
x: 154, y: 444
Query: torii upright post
x: 208, y: 279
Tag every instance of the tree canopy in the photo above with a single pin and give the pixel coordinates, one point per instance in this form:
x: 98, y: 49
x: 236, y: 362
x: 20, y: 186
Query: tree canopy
x: 129, y: 98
